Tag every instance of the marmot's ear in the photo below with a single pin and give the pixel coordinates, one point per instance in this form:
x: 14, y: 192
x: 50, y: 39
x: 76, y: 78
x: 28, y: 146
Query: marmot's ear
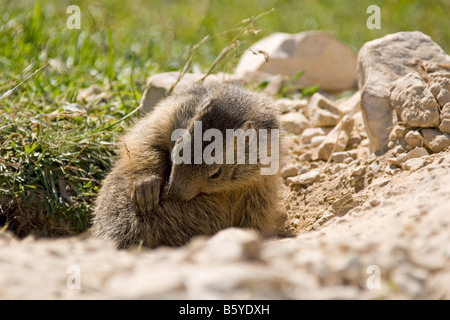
x: 248, y: 125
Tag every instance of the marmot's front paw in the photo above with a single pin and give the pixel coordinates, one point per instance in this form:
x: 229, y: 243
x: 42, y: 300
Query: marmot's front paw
x: 145, y: 194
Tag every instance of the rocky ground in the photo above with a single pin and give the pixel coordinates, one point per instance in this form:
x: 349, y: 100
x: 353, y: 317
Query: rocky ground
x: 366, y: 188
x: 395, y: 244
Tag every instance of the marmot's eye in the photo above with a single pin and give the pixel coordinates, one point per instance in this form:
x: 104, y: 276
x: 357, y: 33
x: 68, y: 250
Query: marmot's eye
x: 215, y: 174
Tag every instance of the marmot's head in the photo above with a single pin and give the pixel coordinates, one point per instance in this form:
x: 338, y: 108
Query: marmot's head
x: 226, y: 145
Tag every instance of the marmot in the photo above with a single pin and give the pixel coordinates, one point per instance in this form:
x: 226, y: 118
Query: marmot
x: 148, y: 199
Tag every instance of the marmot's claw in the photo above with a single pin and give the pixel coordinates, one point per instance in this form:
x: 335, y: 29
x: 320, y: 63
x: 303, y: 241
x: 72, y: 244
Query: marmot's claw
x: 145, y: 194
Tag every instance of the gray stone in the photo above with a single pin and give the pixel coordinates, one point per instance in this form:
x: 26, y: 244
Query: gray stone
x: 327, y: 61
x: 413, y: 164
x: 358, y: 170
x: 445, y: 112
x: 305, y: 178
x: 158, y: 283
x: 414, y: 102
x: 294, y: 122
x: 289, y: 171
x: 435, y: 88
x: 445, y: 126
x: 316, y: 141
x: 415, y: 153
x: 292, y: 170
x: 310, y: 133
x: 232, y: 244
x: 395, y: 162
x: 339, y: 157
x: 336, y: 140
x: 363, y: 152
x: 443, y: 97
x: 414, y: 139
x: 351, y: 105
x: 382, y: 61
x: 436, y: 140
x: 307, y: 156
x: 286, y: 105
x: 322, y: 112
x: 398, y: 132
x: 338, y: 167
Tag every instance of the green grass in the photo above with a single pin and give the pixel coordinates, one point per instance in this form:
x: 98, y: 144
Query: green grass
x: 53, y: 155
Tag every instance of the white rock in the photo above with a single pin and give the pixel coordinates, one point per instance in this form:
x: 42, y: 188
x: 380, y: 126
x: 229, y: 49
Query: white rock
x: 413, y: 101
x: 307, y: 156
x: 158, y: 283
x: 305, y: 178
x: 379, y: 183
x: 327, y: 61
x: 286, y: 105
x: 340, y: 157
x: 414, y: 139
x: 294, y: 122
x: 301, y: 169
x: 443, y: 97
x: 435, y: 89
x: 398, y: 132
x: 336, y: 140
x: 289, y: 170
x: 310, y: 133
x: 413, y: 164
x: 382, y: 61
x: 232, y: 244
x: 353, y: 154
x: 338, y: 167
x: 445, y: 126
x: 317, y: 140
x: 322, y: 112
x: 363, y: 153
x: 436, y: 140
x: 352, y: 105
x: 445, y: 112
x: 416, y: 153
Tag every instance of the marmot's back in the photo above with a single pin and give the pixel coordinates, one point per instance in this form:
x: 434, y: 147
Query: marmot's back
x: 194, y: 166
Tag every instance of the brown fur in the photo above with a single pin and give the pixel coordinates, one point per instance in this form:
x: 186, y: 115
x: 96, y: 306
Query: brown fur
x: 148, y: 199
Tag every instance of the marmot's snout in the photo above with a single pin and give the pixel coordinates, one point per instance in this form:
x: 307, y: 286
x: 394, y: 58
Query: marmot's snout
x: 177, y: 193
x: 180, y: 190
